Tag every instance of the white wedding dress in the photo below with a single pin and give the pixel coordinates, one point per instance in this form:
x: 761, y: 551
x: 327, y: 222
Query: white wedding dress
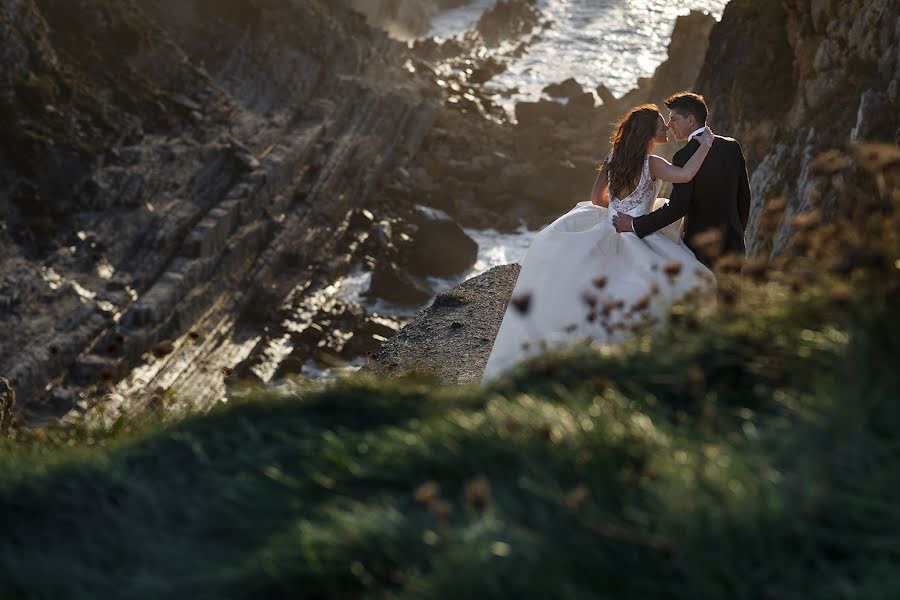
x: 582, y: 279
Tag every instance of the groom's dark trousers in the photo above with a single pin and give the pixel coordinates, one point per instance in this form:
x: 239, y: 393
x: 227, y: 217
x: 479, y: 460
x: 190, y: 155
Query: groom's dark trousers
x: 717, y: 199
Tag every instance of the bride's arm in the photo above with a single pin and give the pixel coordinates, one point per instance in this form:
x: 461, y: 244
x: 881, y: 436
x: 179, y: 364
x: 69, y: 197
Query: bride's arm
x: 660, y: 168
x: 600, y: 194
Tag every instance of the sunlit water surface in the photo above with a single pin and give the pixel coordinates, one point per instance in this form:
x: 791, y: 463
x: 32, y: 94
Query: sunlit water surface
x: 613, y: 42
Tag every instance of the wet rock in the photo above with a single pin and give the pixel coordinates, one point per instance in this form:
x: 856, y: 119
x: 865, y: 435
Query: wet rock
x: 528, y: 113
x: 507, y: 19
x: 572, y: 91
x: 487, y: 70
x: 438, y: 246
x: 567, y: 89
x: 392, y: 283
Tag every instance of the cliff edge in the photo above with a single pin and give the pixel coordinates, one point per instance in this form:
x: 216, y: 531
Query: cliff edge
x: 452, y: 338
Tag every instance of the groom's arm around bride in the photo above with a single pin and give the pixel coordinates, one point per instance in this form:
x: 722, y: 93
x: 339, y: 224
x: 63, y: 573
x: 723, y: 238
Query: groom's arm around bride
x: 717, y: 199
x: 679, y: 200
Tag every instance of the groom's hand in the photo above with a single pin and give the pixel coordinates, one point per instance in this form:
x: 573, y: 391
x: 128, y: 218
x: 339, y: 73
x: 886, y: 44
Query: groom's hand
x: 622, y: 223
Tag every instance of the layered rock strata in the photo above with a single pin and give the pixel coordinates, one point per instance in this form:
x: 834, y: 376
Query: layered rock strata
x: 188, y: 170
x: 183, y: 186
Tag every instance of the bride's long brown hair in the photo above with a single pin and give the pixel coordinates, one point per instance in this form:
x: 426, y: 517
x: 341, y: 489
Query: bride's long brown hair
x: 629, y: 147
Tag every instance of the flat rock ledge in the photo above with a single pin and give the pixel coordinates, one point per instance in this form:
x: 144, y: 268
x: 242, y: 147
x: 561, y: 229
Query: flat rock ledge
x: 452, y: 338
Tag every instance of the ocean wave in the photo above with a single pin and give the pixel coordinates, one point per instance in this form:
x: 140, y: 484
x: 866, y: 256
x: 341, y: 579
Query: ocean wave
x: 404, y: 19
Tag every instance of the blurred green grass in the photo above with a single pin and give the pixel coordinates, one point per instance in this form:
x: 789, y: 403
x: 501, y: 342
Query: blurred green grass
x: 749, y: 452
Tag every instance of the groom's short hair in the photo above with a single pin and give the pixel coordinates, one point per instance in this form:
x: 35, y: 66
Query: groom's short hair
x: 689, y: 103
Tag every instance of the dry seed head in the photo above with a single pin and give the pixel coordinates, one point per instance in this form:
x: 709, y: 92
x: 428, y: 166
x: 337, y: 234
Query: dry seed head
x: 427, y: 492
x: 521, y: 303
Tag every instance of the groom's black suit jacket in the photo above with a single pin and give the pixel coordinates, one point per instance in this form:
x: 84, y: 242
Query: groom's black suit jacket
x: 717, y: 198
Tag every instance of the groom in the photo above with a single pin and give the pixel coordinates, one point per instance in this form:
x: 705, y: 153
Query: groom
x: 716, y: 201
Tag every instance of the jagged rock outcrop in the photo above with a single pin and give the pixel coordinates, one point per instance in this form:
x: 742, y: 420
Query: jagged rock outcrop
x: 686, y: 51
x: 452, y: 338
x: 791, y: 79
x: 507, y: 20
x: 190, y: 169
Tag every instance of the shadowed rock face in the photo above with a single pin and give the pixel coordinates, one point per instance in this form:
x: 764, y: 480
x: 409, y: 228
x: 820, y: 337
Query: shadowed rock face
x: 79, y: 80
x: 165, y: 166
x: 791, y: 79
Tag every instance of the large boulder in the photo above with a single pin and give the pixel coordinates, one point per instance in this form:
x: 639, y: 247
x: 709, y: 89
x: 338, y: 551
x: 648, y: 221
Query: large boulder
x: 572, y: 91
x: 392, y: 283
x: 423, y: 243
x: 507, y: 19
x: 438, y: 246
x: 530, y: 113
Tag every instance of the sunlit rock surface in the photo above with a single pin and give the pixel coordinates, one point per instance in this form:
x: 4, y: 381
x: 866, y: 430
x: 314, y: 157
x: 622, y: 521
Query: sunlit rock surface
x: 451, y: 339
x: 793, y: 79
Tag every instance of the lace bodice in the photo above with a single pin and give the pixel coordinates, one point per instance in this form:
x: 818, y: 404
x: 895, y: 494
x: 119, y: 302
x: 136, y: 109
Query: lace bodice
x: 640, y: 201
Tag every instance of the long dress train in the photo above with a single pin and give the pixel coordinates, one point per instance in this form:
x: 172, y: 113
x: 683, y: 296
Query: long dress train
x: 582, y: 279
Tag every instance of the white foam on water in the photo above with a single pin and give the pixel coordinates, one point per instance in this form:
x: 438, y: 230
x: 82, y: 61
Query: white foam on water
x: 613, y: 42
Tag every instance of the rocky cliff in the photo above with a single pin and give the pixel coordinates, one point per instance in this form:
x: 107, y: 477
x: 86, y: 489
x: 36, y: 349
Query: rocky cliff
x: 173, y: 174
x: 792, y: 79
x: 184, y: 184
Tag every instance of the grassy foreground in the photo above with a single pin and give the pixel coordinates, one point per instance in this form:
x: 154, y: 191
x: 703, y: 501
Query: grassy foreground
x: 749, y: 453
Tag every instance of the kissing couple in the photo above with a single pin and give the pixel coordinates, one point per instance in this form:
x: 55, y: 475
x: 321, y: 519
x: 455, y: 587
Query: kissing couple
x: 624, y: 257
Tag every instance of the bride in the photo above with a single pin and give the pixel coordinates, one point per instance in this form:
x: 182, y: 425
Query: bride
x: 581, y: 278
